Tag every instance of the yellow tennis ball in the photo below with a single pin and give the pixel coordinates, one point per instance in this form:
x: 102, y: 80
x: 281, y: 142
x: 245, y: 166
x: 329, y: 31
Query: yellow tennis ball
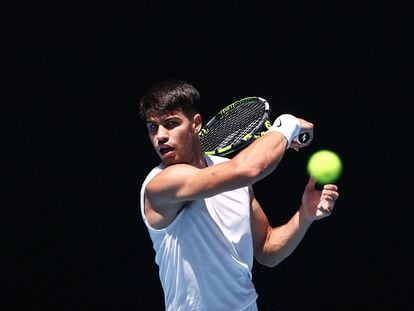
x: 325, y: 166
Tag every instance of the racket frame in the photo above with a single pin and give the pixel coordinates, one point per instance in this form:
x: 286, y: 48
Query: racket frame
x: 261, y: 128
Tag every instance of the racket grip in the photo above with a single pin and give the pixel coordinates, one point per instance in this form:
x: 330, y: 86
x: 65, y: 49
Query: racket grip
x: 303, y: 139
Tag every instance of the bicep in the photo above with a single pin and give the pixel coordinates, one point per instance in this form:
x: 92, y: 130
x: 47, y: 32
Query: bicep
x: 168, y: 192
x: 166, y: 188
x: 182, y: 182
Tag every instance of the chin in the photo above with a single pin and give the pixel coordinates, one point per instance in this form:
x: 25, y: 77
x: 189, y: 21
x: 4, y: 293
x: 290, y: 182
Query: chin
x: 169, y: 161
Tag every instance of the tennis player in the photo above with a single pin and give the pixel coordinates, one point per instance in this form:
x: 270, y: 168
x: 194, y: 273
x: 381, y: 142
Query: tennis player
x: 204, y: 221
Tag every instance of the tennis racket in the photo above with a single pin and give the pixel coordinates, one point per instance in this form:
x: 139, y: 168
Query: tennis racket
x: 237, y: 125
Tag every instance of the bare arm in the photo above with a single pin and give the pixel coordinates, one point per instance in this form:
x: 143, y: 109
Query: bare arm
x: 273, y: 244
x: 177, y: 184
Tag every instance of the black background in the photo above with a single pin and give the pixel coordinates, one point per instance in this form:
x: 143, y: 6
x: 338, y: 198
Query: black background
x: 76, y: 151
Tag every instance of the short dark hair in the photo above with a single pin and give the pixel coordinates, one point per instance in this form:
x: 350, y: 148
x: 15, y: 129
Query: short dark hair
x: 168, y: 96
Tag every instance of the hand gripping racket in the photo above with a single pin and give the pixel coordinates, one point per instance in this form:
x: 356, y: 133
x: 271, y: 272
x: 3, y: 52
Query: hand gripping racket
x: 237, y: 125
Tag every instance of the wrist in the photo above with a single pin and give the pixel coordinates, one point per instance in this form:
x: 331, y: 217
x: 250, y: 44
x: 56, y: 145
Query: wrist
x: 288, y: 125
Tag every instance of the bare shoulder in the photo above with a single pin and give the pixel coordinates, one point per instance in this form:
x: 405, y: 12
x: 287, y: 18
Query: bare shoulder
x: 162, y: 201
x: 171, y: 175
x: 183, y: 182
x: 171, y: 185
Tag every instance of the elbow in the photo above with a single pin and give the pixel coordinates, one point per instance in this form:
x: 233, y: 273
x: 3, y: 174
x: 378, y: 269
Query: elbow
x: 266, y: 260
x: 267, y: 263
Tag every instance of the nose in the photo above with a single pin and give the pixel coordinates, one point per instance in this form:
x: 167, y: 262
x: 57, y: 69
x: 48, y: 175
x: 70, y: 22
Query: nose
x: 162, y: 134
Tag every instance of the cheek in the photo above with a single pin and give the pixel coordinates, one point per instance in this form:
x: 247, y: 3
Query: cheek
x: 183, y: 135
x: 154, y: 141
x: 185, y: 141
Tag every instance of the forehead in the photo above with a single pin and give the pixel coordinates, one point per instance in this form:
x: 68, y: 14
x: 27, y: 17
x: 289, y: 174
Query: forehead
x: 160, y: 117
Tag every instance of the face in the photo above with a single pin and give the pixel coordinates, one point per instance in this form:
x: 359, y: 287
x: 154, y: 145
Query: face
x: 175, y: 137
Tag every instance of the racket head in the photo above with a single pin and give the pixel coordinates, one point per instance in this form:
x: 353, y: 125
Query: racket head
x: 235, y: 126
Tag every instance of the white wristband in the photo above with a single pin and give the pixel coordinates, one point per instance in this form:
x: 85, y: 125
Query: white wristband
x: 288, y: 125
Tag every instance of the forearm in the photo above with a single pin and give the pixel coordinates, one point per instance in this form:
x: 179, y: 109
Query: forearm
x: 281, y: 241
x: 262, y: 156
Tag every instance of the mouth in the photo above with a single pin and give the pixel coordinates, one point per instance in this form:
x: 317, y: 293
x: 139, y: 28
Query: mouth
x: 164, y: 150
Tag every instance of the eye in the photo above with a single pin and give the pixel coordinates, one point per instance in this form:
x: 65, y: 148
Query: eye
x: 170, y: 124
x: 152, y: 127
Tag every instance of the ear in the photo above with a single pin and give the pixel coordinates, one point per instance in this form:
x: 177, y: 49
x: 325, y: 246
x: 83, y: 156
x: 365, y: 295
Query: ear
x: 198, y: 122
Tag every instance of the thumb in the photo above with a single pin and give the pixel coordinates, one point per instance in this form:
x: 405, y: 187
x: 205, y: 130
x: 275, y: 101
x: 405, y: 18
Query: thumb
x: 311, y: 183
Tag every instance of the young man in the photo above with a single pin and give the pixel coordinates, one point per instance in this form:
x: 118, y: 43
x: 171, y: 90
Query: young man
x: 201, y: 213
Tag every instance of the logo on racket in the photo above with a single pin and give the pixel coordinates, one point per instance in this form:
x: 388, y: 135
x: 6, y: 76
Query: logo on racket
x: 303, y: 138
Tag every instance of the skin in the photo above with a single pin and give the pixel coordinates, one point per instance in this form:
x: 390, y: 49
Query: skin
x: 187, y: 177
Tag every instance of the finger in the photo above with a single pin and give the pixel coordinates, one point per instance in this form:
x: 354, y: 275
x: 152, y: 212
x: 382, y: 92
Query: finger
x: 311, y: 183
x: 328, y: 197
x: 327, y: 201
x: 331, y: 187
x: 325, y: 207
x: 329, y: 194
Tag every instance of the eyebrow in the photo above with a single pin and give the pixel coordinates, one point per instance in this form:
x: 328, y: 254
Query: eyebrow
x: 167, y: 118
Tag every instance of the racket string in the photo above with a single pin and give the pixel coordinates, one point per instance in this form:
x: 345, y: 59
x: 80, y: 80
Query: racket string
x: 232, y: 127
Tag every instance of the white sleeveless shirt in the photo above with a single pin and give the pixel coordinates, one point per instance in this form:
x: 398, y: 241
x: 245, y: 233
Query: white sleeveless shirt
x: 205, y: 255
